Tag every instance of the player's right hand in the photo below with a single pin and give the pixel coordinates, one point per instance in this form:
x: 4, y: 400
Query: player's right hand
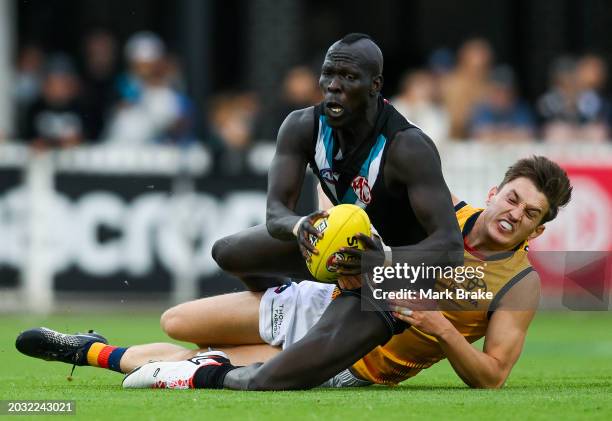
x: 305, y: 230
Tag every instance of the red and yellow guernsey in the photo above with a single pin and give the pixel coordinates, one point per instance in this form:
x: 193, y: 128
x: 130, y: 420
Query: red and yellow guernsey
x: 411, y: 351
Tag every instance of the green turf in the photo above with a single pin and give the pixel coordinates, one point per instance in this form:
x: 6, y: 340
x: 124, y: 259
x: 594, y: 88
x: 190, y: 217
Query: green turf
x: 565, y: 373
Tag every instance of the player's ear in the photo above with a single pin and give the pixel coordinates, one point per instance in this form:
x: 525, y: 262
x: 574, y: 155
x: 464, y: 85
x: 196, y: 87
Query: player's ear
x: 377, y: 84
x: 536, y: 232
x: 492, y: 192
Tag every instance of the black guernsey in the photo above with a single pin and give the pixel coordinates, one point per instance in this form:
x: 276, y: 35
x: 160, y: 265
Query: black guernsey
x: 359, y: 177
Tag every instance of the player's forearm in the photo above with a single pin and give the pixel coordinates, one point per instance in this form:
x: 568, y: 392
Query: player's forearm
x: 474, y: 367
x: 280, y: 221
x: 285, y: 180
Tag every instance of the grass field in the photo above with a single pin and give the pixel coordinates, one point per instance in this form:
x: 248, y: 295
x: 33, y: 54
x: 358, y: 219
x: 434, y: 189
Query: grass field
x: 565, y: 373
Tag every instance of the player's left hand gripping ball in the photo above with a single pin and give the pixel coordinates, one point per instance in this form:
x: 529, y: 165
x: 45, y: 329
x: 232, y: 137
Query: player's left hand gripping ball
x: 306, y: 232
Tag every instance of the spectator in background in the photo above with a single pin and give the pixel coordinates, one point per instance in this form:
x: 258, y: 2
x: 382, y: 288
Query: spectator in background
x: 464, y: 87
x: 174, y: 73
x: 591, y: 77
x: 28, y: 81
x: 564, y: 117
x: 57, y: 118
x: 232, y: 119
x: 558, y: 107
x: 300, y: 89
x: 416, y: 102
x: 150, y: 110
x: 99, y: 79
x: 440, y: 64
x: 502, y: 116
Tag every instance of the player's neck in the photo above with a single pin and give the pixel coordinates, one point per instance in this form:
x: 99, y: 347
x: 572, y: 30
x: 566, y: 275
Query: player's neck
x: 353, y: 135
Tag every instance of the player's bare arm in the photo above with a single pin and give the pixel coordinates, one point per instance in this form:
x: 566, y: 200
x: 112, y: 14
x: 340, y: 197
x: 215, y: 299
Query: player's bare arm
x: 262, y: 255
x: 504, y: 338
x: 414, y: 165
x: 286, y: 173
x: 285, y: 179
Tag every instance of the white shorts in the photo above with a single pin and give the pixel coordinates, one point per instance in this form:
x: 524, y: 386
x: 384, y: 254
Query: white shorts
x: 287, y: 312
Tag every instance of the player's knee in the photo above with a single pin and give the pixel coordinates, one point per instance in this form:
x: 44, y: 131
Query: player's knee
x: 172, y: 323
x: 217, y: 251
x: 221, y: 253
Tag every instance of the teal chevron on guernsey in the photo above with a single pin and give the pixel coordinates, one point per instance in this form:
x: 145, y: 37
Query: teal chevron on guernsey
x: 368, y: 172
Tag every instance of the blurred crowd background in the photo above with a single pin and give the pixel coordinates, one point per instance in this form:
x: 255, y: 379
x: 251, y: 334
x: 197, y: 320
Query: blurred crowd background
x: 131, y: 87
x: 135, y: 93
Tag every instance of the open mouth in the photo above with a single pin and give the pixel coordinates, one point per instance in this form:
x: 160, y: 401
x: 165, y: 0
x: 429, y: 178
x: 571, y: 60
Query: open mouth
x: 334, y: 109
x: 506, y: 226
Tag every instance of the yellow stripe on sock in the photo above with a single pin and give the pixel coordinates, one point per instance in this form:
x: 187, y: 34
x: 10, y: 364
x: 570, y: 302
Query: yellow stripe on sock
x: 94, y: 351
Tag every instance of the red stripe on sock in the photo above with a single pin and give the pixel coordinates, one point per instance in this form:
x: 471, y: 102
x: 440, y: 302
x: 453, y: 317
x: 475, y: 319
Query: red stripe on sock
x: 104, y: 354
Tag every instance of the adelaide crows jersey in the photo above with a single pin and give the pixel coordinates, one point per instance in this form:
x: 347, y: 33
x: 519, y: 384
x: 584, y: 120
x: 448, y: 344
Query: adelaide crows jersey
x: 411, y: 351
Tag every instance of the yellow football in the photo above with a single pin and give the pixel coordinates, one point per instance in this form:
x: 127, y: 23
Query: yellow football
x: 339, y: 230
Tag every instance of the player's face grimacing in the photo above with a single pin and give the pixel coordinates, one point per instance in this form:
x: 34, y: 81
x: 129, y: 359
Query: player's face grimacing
x: 514, y: 213
x: 345, y: 83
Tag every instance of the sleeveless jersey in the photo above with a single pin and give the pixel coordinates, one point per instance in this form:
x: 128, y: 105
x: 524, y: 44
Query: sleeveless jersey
x: 409, y: 352
x: 358, y: 177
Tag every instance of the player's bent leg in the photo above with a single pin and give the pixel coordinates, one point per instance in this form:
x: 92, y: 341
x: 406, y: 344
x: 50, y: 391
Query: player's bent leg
x: 344, y: 334
x: 229, y: 319
x: 93, y: 349
x: 139, y: 355
x: 259, y: 259
x: 173, y: 374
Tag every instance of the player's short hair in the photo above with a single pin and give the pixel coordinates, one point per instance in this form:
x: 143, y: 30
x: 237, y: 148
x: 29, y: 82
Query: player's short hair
x: 353, y: 37
x: 373, y: 59
x: 548, y: 177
